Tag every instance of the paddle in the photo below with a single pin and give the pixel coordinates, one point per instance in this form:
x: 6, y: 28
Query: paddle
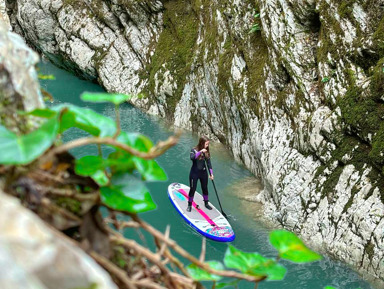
x: 217, y: 195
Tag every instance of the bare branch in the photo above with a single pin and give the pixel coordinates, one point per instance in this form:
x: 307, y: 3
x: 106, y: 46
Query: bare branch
x: 155, y: 151
x: 203, y: 248
x: 114, y: 270
x: 164, y: 245
x: 153, y: 258
x: 172, y: 244
x: 70, y: 194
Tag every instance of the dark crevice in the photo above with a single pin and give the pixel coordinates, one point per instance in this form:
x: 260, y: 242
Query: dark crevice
x: 315, y: 22
x: 365, y: 59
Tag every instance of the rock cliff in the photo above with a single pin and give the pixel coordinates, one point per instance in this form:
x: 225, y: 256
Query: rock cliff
x: 293, y: 87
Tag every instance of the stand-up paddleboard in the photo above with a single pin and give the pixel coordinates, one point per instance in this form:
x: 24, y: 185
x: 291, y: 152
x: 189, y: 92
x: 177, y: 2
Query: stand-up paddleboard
x: 209, y: 223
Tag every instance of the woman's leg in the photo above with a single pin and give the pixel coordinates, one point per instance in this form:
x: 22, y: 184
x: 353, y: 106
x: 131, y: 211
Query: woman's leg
x: 193, y: 178
x: 204, y: 187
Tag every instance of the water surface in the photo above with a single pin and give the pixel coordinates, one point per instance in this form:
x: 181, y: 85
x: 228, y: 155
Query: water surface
x: 231, y: 180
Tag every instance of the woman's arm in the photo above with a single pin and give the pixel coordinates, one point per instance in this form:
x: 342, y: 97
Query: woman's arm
x: 194, y: 154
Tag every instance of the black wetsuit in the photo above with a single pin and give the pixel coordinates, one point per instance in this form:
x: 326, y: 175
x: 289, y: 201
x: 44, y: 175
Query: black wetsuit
x: 199, y: 172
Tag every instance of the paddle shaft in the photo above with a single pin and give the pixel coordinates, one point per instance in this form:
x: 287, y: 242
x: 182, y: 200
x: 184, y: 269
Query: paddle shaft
x: 217, y: 195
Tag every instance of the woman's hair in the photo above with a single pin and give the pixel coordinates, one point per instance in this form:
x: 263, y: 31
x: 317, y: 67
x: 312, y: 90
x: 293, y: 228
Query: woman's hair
x: 200, y: 146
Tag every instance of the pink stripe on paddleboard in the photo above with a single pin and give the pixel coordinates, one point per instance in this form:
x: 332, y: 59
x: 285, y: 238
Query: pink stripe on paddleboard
x: 202, y: 213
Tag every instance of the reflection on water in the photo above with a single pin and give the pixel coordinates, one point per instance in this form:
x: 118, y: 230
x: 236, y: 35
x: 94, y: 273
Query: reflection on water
x: 235, y: 185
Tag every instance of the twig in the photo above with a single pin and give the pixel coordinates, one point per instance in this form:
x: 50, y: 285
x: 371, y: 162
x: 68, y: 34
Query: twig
x: 172, y: 244
x: 164, y: 245
x: 113, y: 269
x: 155, y: 151
x: 40, y: 174
x: 203, y: 248
x: 70, y: 194
x: 47, y: 203
x: 118, y: 126
x: 129, y: 224
x: 153, y: 258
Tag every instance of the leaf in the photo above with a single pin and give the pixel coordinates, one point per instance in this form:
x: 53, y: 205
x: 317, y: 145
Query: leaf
x: 105, y: 97
x: 126, y: 193
x: 136, y: 140
x: 94, y: 167
x: 120, y: 161
x: 329, y: 287
x: 253, y: 264
x: 149, y: 169
x: 87, y: 120
x: 46, y: 76
x: 291, y: 248
x: 100, y: 178
x: 233, y: 283
x: 40, y: 112
x: 89, y: 165
x: 199, y: 274
x: 26, y: 148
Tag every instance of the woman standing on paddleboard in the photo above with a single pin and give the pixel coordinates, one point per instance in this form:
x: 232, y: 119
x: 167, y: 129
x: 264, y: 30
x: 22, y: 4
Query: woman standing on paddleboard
x: 199, y: 155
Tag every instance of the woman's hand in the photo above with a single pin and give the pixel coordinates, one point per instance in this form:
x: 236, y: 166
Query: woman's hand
x: 211, y: 177
x: 203, y: 151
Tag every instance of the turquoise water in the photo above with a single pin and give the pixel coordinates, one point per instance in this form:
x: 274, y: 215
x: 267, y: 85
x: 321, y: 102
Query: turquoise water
x: 230, y: 179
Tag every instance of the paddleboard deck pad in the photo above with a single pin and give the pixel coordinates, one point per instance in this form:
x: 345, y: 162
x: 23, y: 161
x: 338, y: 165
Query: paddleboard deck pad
x: 210, y: 223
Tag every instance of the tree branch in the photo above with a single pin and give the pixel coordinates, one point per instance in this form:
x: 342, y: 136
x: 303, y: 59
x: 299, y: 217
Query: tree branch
x: 172, y: 244
x: 155, y: 151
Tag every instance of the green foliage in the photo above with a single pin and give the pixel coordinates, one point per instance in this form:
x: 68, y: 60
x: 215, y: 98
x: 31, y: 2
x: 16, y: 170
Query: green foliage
x: 325, y: 79
x: 290, y: 247
x: 127, y: 193
x: 121, y: 191
x: 256, y: 26
x: 82, y: 118
x: 105, y: 97
x: 233, y: 284
x: 94, y: 167
x: 23, y: 149
x: 46, y: 76
x: 199, y: 274
x: 87, y: 120
x: 253, y: 264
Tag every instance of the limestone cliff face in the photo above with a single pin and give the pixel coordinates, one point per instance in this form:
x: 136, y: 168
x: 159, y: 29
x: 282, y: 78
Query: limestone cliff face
x: 300, y: 102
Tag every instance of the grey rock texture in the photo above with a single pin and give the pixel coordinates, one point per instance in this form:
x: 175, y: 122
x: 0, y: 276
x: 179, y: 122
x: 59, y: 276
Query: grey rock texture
x: 32, y: 256
x: 300, y: 102
x: 19, y: 88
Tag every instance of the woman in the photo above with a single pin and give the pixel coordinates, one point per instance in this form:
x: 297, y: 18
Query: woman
x: 199, y: 155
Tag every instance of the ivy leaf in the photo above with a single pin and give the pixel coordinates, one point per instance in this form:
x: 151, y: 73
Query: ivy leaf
x: 136, y: 140
x: 46, y: 76
x: 126, y: 193
x: 150, y: 170
x: 291, y: 248
x: 100, y: 178
x: 94, y: 167
x: 105, y: 97
x: 199, y: 274
x: 87, y: 120
x: 253, y: 264
x: 89, y: 165
x: 40, y: 112
x: 26, y: 148
x: 120, y: 161
x: 233, y: 283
